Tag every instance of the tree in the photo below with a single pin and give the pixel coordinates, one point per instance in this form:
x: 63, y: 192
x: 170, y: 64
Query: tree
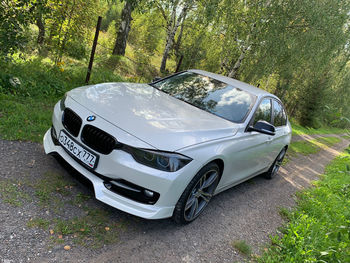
x: 174, y: 12
x: 124, y: 28
x: 15, y: 16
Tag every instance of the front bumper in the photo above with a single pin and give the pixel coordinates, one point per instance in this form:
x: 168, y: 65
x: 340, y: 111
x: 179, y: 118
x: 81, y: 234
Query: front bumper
x: 121, y: 165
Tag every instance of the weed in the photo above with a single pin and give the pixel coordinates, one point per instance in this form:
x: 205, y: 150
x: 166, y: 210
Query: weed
x: 12, y: 192
x: 242, y: 247
x: 39, y: 222
x: 318, y: 230
x: 285, y: 213
x: 50, y: 184
x: 94, y: 229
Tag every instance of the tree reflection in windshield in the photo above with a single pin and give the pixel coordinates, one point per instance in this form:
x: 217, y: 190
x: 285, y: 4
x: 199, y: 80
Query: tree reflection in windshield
x: 208, y: 94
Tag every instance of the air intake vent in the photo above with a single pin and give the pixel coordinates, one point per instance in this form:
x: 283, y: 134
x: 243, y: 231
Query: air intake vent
x: 98, y: 140
x: 71, y: 121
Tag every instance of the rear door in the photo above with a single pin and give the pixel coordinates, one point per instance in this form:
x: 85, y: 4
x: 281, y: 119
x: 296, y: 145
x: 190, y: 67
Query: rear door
x: 280, y: 122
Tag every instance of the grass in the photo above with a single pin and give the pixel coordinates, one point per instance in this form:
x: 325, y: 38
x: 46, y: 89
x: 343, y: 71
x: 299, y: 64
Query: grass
x: 12, y: 193
x: 96, y: 228
x: 26, y: 106
x: 93, y: 228
x: 39, y: 222
x: 318, y: 228
x: 312, y: 146
x: 242, y: 247
x: 47, y: 188
x: 24, y: 118
x: 300, y: 130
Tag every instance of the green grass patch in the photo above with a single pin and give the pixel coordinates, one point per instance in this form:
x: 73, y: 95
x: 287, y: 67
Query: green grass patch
x: 319, y: 227
x: 242, y: 247
x: 346, y: 137
x: 303, y: 147
x: 29, y: 90
x: 39, y: 222
x: 90, y: 227
x: 307, y: 147
x: 300, y: 130
x: 328, y: 141
x: 94, y: 229
x: 47, y: 188
x: 24, y: 118
x: 11, y: 192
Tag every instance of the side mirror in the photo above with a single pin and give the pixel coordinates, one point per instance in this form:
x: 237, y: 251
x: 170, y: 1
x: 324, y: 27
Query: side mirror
x: 263, y: 127
x: 156, y: 79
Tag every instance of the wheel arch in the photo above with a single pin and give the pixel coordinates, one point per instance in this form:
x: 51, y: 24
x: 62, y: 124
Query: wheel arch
x: 221, y: 165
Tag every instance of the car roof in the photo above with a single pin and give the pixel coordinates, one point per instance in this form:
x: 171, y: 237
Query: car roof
x: 235, y: 83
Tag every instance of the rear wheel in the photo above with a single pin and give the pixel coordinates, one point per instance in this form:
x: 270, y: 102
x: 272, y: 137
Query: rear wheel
x: 197, y: 194
x: 276, y: 165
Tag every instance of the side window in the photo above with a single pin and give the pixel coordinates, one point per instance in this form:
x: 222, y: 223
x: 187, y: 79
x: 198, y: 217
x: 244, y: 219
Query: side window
x: 284, y: 117
x: 279, y: 114
x: 263, y: 112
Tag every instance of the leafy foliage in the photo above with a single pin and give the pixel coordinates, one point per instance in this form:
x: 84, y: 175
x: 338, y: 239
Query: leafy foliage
x: 30, y: 89
x: 319, y: 227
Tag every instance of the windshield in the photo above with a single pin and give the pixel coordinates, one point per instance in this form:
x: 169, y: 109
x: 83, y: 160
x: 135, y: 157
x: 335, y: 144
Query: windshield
x: 209, y: 94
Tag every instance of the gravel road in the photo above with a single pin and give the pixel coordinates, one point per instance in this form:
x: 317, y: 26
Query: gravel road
x: 246, y: 212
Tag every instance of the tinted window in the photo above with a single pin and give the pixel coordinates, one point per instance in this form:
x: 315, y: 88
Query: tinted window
x: 209, y: 94
x: 263, y: 112
x: 284, y: 117
x: 279, y: 114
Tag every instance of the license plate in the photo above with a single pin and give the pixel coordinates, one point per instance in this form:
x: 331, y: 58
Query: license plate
x: 78, y: 151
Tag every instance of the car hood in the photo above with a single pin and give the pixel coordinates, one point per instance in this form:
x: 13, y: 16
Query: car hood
x: 153, y: 116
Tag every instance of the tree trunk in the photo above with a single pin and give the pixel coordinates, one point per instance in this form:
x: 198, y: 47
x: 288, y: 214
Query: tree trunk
x: 41, y: 34
x: 233, y: 72
x: 179, y: 38
x: 169, y: 42
x: 237, y: 65
x: 172, y: 27
x: 123, y: 32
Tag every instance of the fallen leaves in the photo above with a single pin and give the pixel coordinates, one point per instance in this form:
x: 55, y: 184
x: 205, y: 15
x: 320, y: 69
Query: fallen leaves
x: 67, y: 247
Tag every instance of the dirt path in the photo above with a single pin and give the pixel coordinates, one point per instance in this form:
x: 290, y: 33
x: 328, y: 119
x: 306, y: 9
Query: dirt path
x: 246, y: 212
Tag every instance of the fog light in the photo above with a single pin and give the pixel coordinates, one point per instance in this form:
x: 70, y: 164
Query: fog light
x: 148, y: 193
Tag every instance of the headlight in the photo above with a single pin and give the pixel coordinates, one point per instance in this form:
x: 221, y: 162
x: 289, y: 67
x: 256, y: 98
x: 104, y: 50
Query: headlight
x: 169, y: 162
x: 62, y: 102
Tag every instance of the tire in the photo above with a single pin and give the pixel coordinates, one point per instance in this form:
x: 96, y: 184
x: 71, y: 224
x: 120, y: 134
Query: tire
x: 273, y: 170
x: 197, y: 194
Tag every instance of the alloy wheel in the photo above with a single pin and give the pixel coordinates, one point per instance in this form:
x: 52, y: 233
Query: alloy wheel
x: 200, y: 195
x: 278, y: 163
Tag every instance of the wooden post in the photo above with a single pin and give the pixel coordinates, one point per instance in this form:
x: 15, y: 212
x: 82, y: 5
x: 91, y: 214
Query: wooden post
x: 93, y: 50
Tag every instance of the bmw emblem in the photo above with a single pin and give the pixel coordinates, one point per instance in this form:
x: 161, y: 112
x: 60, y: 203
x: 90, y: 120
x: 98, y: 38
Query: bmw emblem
x: 91, y: 118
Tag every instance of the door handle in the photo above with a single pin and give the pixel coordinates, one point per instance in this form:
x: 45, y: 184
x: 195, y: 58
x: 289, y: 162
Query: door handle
x: 269, y: 139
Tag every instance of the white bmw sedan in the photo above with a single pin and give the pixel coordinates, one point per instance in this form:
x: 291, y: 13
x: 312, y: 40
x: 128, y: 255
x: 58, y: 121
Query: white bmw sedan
x: 164, y: 149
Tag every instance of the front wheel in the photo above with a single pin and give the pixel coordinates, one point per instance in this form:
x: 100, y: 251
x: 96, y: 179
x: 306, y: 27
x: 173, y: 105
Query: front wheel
x: 276, y: 165
x: 197, y: 194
